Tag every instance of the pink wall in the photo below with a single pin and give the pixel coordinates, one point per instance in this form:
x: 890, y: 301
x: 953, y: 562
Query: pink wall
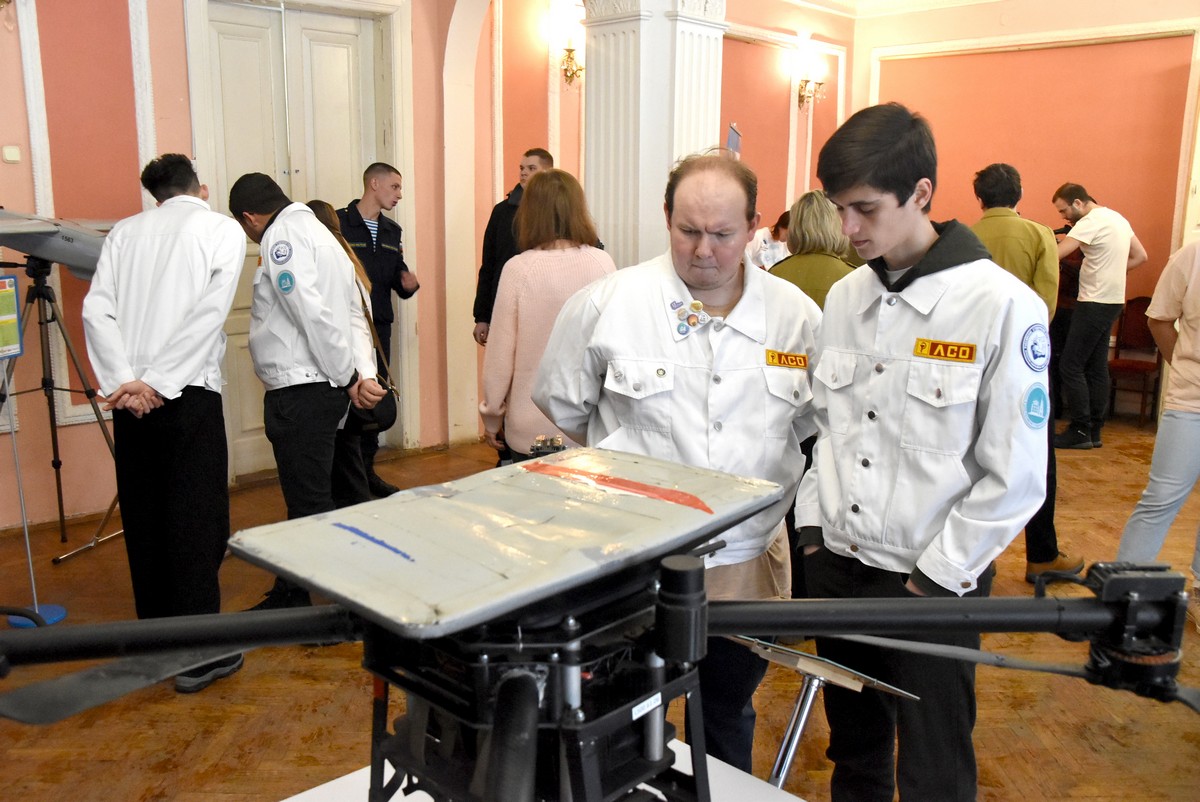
x: 86, y: 71
x: 168, y: 66
x: 430, y: 24
x: 526, y: 114
x: 756, y: 95
x: 1052, y: 114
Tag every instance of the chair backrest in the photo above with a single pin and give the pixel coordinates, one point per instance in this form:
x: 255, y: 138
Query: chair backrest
x: 1133, y: 331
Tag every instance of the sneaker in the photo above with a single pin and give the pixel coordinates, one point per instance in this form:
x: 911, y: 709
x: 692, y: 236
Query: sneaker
x: 200, y: 678
x: 1096, y: 439
x: 1073, y: 438
x: 1063, y: 563
x: 380, y: 487
x: 280, y: 598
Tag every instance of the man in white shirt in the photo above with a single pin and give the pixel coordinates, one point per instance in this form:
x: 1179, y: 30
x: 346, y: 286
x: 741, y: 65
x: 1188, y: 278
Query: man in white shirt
x: 1110, y: 250
x: 153, y: 320
x: 313, y: 352
x: 931, y: 405
x: 698, y: 358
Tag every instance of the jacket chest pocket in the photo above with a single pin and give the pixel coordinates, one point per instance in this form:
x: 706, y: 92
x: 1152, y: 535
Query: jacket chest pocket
x: 640, y: 393
x: 834, y: 374
x: 939, y: 410
x: 788, y: 394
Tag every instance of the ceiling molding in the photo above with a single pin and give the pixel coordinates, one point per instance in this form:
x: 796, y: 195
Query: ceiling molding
x: 868, y: 9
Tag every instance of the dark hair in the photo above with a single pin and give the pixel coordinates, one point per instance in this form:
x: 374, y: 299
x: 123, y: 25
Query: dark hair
x: 553, y: 208
x: 1072, y: 192
x: 886, y: 147
x: 541, y: 153
x: 998, y: 185
x: 719, y: 159
x: 169, y: 175
x: 256, y: 193
x: 784, y: 220
x: 377, y: 169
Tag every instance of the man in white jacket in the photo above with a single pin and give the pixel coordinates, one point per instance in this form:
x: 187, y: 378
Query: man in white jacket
x: 153, y: 320
x: 696, y: 357
x: 311, y: 348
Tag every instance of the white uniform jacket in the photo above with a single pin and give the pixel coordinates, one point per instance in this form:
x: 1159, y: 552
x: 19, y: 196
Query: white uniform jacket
x: 306, y: 320
x: 158, y: 301
x: 624, y: 370
x: 931, y: 405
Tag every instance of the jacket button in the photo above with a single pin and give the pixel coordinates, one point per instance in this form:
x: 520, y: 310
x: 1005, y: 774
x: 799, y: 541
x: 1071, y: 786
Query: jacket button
x: 618, y: 375
x: 891, y: 301
x: 854, y: 508
x: 879, y: 367
x: 866, y: 463
x: 716, y: 379
x: 717, y: 426
x: 854, y: 548
x: 871, y: 414
x: 637, y: 387
x: 966, y: 585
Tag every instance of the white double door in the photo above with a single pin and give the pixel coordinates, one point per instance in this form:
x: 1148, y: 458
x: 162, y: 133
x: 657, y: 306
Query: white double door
x: 292, y: 95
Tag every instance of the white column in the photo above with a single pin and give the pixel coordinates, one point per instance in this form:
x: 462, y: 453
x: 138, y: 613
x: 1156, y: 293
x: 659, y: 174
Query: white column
x: 653, y: 94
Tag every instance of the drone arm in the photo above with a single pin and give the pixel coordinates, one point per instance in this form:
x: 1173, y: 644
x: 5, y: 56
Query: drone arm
x: 156, y: 635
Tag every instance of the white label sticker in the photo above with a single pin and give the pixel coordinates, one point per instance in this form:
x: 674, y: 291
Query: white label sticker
x: 642, y: 708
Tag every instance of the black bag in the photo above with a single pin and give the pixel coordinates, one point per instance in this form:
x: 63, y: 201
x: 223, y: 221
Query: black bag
x: 379, y: 418
x: 382, y: 416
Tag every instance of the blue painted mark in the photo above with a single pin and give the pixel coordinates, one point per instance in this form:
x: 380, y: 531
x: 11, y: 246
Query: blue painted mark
x: 354, y: 530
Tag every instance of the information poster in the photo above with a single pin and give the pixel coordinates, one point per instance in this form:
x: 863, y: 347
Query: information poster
x: 10, y: 322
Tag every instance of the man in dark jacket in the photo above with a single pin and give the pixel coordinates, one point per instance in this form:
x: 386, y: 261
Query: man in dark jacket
x: 500, y: 241
x: 376, y: 240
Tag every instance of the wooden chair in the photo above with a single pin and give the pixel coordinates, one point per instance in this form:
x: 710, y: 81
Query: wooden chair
x: 1135, y: 359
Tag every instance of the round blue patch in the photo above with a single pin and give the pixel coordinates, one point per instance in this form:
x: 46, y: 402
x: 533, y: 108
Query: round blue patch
x: 1035, y: 406
x: 1035, y: 347
x: 286, y: 282
x: 281, y: 251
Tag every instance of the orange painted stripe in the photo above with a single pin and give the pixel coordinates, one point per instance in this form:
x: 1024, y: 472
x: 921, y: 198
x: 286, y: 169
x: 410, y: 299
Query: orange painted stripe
x: 628, y: 485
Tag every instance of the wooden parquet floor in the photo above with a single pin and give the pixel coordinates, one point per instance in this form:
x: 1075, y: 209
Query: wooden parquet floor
x: 299, y: 716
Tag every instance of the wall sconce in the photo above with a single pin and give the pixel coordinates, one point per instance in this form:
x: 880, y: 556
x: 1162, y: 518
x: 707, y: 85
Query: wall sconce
x: 571, y: 69
x: 810, y: 93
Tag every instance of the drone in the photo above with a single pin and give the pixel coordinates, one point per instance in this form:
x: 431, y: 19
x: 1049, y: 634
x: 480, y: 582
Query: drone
x: 74, y: 245
x: 540, y: 617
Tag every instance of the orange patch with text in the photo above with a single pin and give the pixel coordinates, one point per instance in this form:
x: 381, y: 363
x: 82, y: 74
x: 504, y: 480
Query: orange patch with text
x: 951, y: 352
x: 785, y: 360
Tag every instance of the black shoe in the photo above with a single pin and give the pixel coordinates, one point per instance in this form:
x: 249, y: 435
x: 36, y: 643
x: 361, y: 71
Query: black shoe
x: 379, y: 487
x: 278, y: 598
x: 1073, y: 438
x: 200, y: 678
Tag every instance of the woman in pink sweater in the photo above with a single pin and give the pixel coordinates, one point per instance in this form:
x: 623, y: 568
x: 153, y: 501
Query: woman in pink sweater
x: 556, y: 235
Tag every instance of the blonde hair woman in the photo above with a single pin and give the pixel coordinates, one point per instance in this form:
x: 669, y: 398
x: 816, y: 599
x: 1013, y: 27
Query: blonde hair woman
x: 817, y: 244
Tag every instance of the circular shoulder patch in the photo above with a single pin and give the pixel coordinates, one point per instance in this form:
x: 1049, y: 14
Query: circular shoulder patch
x: 281, y: 251
x: 1035, y: 406
x: 285, y: 281
x: 1035, y: 347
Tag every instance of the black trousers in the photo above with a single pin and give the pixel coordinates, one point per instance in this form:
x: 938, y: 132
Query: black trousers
x: 320, y: 467
x: 1084, y: 365
x: 729, y: 675
x: 173, y: 486
x: 370, y: 441
x: 936, y: 756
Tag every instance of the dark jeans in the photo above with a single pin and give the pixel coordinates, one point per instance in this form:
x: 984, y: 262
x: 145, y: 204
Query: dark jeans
x: 370, y: 440
x: 1041, y: 538
x: 320, y: 468
x: 729, y: 675
x: 1084, y: 364
x: 172, y: 480
x: 936, y: 760
x: 1060, y: 327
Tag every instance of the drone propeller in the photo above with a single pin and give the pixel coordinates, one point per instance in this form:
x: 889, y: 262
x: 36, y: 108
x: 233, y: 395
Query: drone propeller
x: 60, y: 698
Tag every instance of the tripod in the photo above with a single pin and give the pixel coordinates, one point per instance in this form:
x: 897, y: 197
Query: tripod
x: 48, y: 312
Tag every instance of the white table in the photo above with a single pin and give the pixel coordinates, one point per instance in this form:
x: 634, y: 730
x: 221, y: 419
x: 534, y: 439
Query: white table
x: 725, y: 782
